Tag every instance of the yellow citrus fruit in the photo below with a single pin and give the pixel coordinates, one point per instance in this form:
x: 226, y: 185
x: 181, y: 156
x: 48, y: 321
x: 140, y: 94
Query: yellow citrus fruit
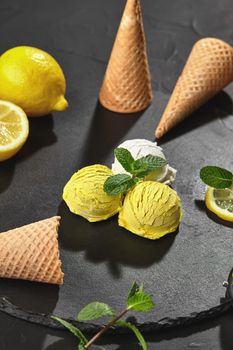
x: 14, y: 129
x: 33, y: 80
x: 220, y: 202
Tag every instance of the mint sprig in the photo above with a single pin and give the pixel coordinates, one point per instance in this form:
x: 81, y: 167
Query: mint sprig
x: 137, y: 300
x: 118, y: 184
x: 74, y: 330
x: 216, y: 177
x: 135, y: 330
x: 94, y: 310
x: 145, y: 165
x: 138, y: 169
x: 125, y: 158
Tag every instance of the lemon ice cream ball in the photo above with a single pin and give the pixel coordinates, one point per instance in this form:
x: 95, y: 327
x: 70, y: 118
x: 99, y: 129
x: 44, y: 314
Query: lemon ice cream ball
x: 151, y: 210
x: 85, y: 196
x: 32, y: 79
x: 140, y: 148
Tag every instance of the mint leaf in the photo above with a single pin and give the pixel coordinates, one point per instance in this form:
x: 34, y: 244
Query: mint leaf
x: 74, y: 330
x: 216, y: 177
x: 94, y: 310
x: 136, y: 331
x: 153, y: 162
x: 145, y: 165
x: 134, y: 289
x: 118, y: 184
x: 125, y: 158
x: 140, y: 169
x: 138, y: 300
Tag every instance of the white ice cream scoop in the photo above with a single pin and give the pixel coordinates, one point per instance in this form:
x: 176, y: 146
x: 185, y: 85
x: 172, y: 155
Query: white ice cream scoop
x: 140, y: 148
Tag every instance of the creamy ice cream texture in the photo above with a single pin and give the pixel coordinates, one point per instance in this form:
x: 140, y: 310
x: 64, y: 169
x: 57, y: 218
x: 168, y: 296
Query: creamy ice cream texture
x: 85, y: 196
x: 141, y: 148
x: 151, y: 210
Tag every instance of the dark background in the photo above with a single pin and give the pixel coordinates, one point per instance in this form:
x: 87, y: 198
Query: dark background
x: 184, y: 272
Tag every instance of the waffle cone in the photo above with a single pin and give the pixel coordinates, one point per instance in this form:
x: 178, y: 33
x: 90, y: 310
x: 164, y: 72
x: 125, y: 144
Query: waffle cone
x: 208, y: 70
x: 127, y: 85
x: 31, y: 252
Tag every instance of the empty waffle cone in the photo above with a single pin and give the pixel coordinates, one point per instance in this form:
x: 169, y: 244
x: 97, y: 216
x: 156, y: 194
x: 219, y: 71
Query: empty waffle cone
x: 127, y: 85
x: 31, y: 252
x: 208, y: 70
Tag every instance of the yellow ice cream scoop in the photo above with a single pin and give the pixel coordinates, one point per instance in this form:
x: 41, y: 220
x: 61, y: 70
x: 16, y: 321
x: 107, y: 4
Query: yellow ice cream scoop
x: 151, y: 210
x: 85, y: 196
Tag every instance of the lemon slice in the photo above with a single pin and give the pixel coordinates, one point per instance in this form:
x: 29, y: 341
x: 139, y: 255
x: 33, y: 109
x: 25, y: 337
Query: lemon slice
x: 14, y: 129
x: 220, y: 202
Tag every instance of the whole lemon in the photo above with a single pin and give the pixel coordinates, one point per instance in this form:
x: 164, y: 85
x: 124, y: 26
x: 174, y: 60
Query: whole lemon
x: 33, y: 80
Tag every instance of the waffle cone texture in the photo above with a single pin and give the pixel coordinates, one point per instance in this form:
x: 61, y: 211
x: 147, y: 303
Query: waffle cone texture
x: 127, y: 84
x: 208, y: 70
x: 31, y: 252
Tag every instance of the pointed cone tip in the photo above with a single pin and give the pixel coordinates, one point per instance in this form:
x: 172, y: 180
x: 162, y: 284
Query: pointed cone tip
x: 159, y: 132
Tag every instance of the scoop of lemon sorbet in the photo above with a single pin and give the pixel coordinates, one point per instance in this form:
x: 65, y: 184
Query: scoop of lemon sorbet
x: 85, y: 196
x: 151, y: 210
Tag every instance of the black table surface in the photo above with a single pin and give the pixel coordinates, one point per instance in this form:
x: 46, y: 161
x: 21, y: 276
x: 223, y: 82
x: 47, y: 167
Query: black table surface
x: 184, y: 271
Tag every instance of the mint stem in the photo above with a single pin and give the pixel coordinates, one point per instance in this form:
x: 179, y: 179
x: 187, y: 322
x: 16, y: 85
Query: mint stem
x: 105, y: 328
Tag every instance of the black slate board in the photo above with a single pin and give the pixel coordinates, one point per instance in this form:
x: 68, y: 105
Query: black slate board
x: 185, y: 271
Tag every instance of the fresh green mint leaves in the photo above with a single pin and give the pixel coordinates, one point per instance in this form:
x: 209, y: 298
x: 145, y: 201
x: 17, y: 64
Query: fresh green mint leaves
x: 125, y: 158
x: 145, y: 165
x: 216, y: 177
x: 138, y: 300
x: 74, y: 330
x: 138, y: 169
x: 93, y: 311
x: 119, y: 183
x: 135, y: 330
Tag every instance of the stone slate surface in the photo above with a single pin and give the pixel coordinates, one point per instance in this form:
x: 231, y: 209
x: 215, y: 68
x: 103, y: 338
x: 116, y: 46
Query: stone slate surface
x: 185, y: 271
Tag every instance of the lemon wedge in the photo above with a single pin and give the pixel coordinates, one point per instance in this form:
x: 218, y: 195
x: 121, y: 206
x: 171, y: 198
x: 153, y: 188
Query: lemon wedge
x: 14, y: 129
x: 220, y: 202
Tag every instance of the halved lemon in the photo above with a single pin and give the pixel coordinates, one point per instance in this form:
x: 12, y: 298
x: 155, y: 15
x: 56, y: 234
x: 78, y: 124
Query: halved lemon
x: 14, y: 129
x: 220, y: 202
